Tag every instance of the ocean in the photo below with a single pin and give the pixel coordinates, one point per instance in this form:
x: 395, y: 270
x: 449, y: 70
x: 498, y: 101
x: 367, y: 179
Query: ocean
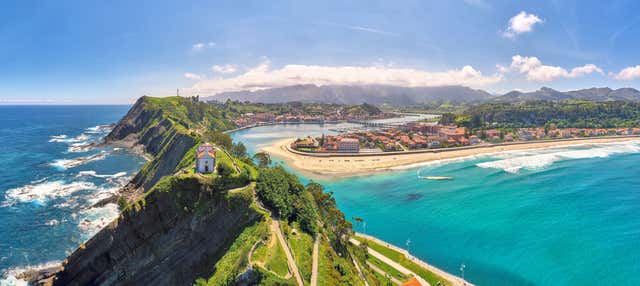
x: 49, y: 181
x: 564, y: 216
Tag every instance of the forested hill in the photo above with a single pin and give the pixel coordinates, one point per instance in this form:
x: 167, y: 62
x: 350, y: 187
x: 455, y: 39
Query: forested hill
x: 593, y: 94
x: 564, y: 114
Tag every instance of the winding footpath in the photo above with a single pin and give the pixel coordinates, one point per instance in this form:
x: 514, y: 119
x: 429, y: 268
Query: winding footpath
x: 275, y: 226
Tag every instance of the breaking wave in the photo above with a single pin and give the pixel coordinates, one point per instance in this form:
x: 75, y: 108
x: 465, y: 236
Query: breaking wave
x: 515, y: 161
x: 94, y: 219
x: 99, y: 129
x: 94, y: 174
x: 44, y: 191
x: 65, y: 139
x: 8, y: 277
x: 64, y: 164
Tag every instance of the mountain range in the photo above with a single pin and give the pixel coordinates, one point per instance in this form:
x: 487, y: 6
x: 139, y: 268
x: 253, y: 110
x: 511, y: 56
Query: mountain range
x: 406, y: 96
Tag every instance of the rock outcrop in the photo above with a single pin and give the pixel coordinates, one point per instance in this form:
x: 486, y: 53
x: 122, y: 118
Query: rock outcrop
x: 171, y: 237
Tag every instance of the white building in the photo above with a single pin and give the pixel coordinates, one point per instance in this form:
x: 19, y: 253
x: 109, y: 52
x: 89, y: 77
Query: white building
x: 349, y: 145
x: 205, y: 159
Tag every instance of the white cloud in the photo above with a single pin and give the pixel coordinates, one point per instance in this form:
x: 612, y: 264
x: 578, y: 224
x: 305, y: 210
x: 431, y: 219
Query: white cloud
x: 536, y: 71
x: 263, y: 77
x: 192, y: 76
x: 228, y: 68
x: 628, y: 73
x: 521, y: 23
x: 201, y: 46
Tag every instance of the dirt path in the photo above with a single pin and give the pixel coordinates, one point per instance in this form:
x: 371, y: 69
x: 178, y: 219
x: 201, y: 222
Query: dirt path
x: 275, y: 227
x: 314, y: 265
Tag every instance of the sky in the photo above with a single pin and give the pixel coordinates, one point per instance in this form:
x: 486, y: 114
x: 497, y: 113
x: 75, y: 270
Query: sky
x: 114, y: 51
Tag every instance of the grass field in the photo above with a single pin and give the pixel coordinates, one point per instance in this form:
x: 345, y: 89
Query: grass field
x: 272, y: 257
x: 401, y: 259
x: 301, y: 245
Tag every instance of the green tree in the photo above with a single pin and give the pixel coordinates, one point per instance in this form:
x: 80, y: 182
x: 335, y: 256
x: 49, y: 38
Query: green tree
x: 219, y: 138
x: 239, y: 150
x: 264, y: 160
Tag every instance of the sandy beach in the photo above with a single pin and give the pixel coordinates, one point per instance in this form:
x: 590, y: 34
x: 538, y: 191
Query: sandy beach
x: 328, y: 165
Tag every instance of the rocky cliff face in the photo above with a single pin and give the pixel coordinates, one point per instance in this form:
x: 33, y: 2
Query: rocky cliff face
x: 171, y: 237
x: 146, y: 129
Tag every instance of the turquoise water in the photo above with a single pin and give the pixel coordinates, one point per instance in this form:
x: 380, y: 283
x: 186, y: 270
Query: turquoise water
x: 46, y: 194
x: 566, y: 216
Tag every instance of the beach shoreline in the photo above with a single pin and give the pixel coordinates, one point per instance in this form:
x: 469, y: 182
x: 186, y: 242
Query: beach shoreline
x: 328, y: 165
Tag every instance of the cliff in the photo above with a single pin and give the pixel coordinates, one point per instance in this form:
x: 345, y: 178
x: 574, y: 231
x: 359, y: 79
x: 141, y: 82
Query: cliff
x: 171, y: 237
x: 192, y: 229
x: 165, y: 130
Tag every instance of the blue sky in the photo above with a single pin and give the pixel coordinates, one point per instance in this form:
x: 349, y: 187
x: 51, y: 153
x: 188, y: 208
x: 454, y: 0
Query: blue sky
x: 115, y: 51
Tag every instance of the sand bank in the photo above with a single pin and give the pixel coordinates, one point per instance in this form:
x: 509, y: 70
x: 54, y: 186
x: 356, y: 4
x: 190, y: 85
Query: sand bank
x: 332, y: 165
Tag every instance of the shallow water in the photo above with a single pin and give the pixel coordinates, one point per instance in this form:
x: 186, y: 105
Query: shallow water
x: 565, y: 216
x: 49, y: 180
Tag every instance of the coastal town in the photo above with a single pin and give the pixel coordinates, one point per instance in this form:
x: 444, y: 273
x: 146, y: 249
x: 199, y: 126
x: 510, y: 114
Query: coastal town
x: 298, y: 115
x: 426, y: 135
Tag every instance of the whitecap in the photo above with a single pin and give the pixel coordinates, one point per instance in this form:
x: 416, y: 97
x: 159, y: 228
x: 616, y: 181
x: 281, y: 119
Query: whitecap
x: 9, y: 275
x: 52, y: 222
x: 94, y: 219
x: 94, y: 174
x: 42, y: 192
x: 58, y: 138
x: 99, y: 129
x: 65, y: 139
x: 102, y: 194
x: 513, y: 162
x: 64, y: 164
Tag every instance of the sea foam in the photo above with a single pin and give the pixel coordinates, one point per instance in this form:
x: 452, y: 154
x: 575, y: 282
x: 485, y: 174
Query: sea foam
x: 515, y: 161
x: 94, y: 174
x: 44, y: 191
x: 94, y: 219
x: 64, y: 164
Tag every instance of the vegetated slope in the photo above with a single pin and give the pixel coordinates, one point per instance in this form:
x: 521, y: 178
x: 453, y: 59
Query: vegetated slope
x: 594, y: 94
x: 580, y: 114
x: 199, y: 229
x: 165, y: 128
x: 173, y: 235
x: 357, y: 94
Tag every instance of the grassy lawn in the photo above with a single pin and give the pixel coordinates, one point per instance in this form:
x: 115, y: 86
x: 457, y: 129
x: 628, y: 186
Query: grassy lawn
x: 334, y: 269
x: 235, y: 259
x: 398, y: 257
x: 301, y: 245
x: 387, y: 268
x: 273, y: 258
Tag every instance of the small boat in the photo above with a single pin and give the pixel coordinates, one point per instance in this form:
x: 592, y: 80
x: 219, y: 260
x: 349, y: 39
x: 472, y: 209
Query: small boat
x: 436, y: 178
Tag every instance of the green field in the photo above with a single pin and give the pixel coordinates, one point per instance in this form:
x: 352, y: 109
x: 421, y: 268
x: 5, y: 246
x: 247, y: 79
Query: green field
x: 301, y: 245
x: 401, y: 259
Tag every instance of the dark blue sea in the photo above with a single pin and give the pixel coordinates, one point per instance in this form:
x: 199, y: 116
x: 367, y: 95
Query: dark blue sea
x: 49, y: 181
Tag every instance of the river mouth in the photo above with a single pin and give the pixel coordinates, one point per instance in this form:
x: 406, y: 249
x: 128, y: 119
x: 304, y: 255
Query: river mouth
x: 551, y: 216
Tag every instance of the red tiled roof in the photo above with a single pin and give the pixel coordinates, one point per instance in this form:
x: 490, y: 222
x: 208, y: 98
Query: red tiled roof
x: 412, y: 282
